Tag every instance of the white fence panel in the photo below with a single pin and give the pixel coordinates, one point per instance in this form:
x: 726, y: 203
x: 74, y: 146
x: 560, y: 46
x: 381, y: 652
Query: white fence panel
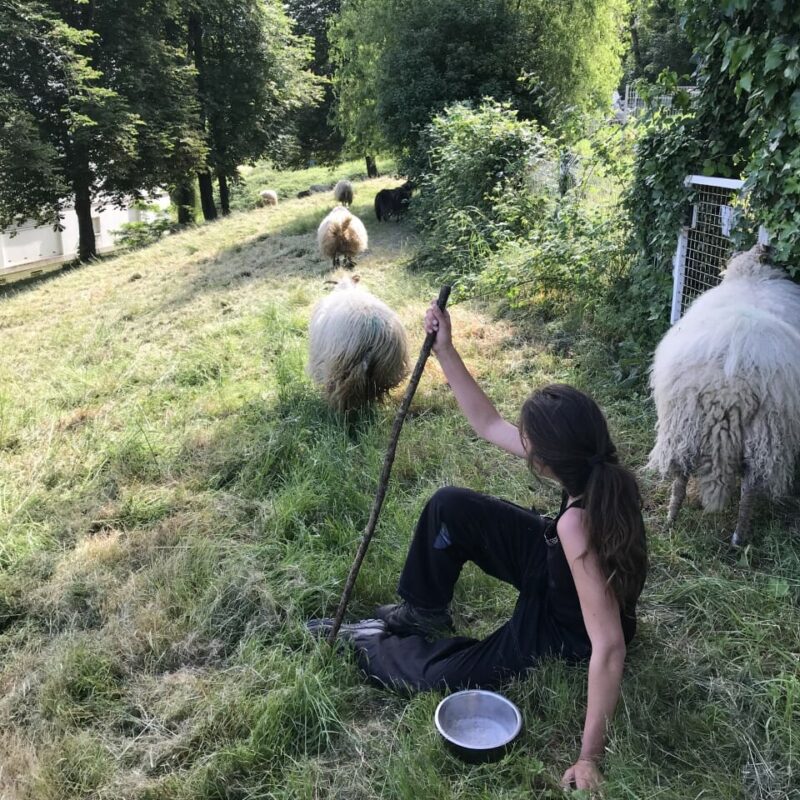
x: 705, y: 245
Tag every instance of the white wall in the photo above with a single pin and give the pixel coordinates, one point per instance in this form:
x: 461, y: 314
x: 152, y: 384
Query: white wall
x: 33, y: 244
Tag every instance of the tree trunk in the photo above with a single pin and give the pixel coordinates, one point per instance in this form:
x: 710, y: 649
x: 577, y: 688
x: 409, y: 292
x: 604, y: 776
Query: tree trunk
x: 224, y: 194
x: 637, y: 51
x: 196, y: 53
x: 207, y: 195
x: 372, y: 167
x: 183, y: 197
x: 87, y: 245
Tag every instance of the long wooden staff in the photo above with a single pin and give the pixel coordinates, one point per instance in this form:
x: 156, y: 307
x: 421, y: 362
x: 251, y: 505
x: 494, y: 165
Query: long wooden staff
x: 441, y: 301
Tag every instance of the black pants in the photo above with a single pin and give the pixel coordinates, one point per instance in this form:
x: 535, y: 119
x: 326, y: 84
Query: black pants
x: 505, y: 541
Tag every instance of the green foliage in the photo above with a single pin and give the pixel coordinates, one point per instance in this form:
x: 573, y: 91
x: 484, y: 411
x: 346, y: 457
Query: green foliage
x: 135, y: 235
x: 356, y: 39
x: 743, y: 122
x: 482, y: 185
x: 103, y: 100
x: 658, y: 41
x: 749, y: 102
x: 570, y: 59
x: 317, y: 137
x: 668, y: 149
x: 497, y: 225
x: 399, y: 63
x: 50, y: 70
x: 251, y: 80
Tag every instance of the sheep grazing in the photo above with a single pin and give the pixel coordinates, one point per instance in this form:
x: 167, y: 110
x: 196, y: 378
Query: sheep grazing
x: 358, y: 349
x: 393, y: 203
x: 343, y: 193
x: 726, y: 384
x: 269, y: 197
x: 341, y: 234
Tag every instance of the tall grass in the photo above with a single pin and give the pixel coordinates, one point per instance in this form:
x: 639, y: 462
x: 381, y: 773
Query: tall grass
x: 175, y: 501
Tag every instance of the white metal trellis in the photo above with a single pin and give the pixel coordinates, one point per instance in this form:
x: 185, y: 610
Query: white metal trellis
x: 633, y: 103
x: 704, y: 245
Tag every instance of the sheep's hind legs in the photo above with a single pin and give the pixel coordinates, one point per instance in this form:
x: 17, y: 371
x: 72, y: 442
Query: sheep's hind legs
x: 744, y: 522
x: 676, y: 497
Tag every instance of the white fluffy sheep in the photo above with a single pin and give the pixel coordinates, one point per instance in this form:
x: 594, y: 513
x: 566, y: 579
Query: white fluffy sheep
x: 358, y: 349
x: 726, y: 384
x: 341, y: 234
x: 343, y: 193
x: 269, y: 197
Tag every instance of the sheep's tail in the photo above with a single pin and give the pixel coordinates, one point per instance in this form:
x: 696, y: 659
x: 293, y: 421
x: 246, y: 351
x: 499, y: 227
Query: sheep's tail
x: 339, y: 233
x: 351, y: 388
x: 723, y: 450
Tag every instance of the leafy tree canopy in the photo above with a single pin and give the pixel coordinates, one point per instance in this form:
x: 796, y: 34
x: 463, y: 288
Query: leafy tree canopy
x: 106, y: 103
x: 253, y: 79
x: 400, y: 61
x: 318, y: 138
x: 658, y: 41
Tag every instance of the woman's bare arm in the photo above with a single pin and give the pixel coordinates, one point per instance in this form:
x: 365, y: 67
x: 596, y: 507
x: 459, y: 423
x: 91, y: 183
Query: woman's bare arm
x: 600, y: 611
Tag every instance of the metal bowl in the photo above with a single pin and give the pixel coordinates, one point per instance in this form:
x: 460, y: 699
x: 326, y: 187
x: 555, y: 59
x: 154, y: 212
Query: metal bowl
x: 477, y: 725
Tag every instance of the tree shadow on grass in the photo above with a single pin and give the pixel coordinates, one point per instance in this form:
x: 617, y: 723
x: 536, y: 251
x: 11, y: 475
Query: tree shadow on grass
x: 282, y: 256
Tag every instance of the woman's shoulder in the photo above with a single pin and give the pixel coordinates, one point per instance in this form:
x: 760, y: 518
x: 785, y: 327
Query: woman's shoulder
x: 573, y: 531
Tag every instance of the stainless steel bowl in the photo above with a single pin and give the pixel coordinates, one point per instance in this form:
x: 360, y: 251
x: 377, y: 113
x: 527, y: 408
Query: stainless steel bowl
x: 478, y: 725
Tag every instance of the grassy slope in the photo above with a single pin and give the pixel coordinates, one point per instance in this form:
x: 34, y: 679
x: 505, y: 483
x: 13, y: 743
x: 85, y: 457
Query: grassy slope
x: 175, y: 500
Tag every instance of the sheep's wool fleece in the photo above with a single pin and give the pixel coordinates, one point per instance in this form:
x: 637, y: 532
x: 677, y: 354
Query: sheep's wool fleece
x: 341, y: 233
x: 269, y: 197
x: 726, y: 384
x: 358, y: 348
x: 343, y: 192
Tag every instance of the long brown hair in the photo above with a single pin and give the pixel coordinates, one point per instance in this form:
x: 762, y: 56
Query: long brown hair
x: 567, y: 432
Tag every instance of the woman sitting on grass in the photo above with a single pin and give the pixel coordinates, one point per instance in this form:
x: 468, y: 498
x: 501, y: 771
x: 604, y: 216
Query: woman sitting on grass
x: 579, y: 575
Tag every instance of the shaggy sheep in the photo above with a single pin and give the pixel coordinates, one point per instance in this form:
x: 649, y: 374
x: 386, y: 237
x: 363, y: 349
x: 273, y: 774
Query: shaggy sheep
x: 726, y: 384
x: 269, y: 197
x: 341, y: 234
x: 358, y: 349
x: 343, y: 193
x: 393, y: 203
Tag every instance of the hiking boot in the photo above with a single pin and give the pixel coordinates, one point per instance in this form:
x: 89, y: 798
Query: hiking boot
x: 405, y: 619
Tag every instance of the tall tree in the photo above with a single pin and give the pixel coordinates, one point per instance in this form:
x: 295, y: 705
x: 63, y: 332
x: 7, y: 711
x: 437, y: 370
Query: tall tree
x: 658, y: 41
x: 107, y: 100
x: 318, y: 138
x: 251, y: 80
x: 357, y: 37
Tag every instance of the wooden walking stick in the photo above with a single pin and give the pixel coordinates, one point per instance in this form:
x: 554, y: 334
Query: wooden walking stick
x: 441, y: 301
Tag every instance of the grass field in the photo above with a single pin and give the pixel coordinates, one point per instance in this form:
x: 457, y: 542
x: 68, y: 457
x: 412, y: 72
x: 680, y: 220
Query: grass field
x: 175, y: 501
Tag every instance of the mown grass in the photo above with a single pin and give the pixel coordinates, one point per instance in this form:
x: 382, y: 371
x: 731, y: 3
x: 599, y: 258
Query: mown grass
x: 175, y: 500
x: 287, y: 184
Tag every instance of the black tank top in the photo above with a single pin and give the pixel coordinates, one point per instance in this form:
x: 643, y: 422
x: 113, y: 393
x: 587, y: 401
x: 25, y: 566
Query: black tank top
x: 564, y: 602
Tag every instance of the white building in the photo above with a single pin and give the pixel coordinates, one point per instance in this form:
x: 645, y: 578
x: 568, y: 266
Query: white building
x: 33, y: 250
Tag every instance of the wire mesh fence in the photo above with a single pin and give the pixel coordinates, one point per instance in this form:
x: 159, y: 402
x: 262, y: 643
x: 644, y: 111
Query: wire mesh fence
x: 705, y: 244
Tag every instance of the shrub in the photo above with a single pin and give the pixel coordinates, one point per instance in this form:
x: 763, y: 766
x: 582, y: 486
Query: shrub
x: 135, y: 235
x: 483, y: 178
